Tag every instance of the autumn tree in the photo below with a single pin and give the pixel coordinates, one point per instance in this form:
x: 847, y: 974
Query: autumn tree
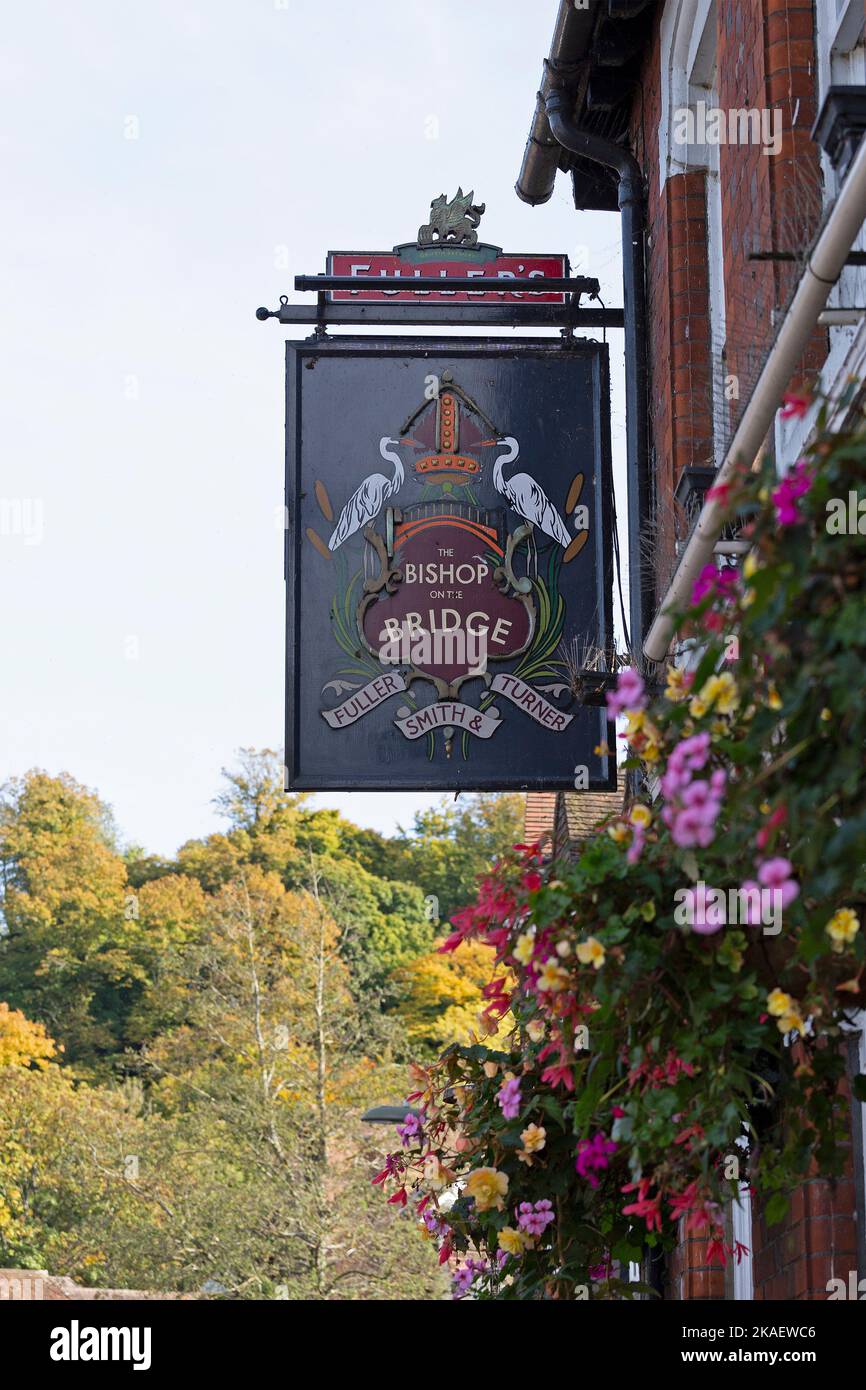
x: 63, y: 957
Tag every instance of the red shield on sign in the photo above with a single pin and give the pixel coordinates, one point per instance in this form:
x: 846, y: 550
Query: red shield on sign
x: 449, y: 613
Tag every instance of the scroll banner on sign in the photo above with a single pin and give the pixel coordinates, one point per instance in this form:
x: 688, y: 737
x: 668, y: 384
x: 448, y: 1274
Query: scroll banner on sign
x: 364, y: 700
x: 533, y: 704
x: 448, y: 714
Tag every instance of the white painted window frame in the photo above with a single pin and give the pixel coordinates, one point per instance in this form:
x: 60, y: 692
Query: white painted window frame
x: 688, y: 75
x: 841, y: 60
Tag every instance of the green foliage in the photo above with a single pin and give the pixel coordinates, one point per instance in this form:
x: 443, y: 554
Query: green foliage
x: 647, y: 1046
x: 221, y: 1020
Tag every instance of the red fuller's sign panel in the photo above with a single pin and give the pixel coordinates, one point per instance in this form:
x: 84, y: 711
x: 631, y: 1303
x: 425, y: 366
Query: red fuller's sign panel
x: 447, y: 245
x: 448, y: 563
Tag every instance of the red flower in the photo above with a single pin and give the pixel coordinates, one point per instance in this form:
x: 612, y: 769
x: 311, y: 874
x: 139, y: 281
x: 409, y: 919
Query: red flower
x: 716, y: 1251
x: 532, y: 881
x: 451, y: 942
x: 398, y: 1198
x: 559, y: 1076
x: 649, y: 1208
x: 795, y: 406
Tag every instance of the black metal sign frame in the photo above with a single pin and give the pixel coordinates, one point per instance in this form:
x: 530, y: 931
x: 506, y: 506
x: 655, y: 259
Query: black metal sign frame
x: 527, y: 756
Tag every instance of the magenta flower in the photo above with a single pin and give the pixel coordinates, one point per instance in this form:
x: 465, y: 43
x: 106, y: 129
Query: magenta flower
x: 704, y: 918
x: 593, y: 1156
x: 776, y: 874
x: 508, y: 1098
x: 535, y: 1219
x: 712, y: 580
x: 462, y: 1280
x: 751, y: 895
x: 793, y: 486
x: 629, y: 694
x: 635, y: 849
x: 410, y: 1129
x: 692, y: 806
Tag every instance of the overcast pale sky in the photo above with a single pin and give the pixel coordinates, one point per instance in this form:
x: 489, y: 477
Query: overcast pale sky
x: 167, y: 168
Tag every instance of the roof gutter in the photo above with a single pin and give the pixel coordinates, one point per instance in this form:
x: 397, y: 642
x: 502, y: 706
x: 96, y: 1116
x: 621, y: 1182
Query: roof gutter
x: 630, y: 187
x: 823, y: 269
x: 543, y: 151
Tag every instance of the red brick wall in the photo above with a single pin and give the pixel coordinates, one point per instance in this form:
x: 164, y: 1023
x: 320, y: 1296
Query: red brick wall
x: 766, y: 60
x: 816, y: 1242
x: 689, y: 1276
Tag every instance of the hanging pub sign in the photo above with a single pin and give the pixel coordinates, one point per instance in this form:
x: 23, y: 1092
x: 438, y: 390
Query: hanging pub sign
x: 448, y: 559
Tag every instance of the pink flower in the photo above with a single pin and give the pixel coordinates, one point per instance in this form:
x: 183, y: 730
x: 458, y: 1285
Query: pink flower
x: 508, y: 1098
x: 692, y: 807
x: 535, y: 1219
x: 793, y: 486
x: 411, y: 1128
x: 593, y: 1156
x: 635, y: 849
x: 629, y: 694
x: 751, y: 896
x: 711, y: 581
x: 776, y: 874
x: 703, y: 919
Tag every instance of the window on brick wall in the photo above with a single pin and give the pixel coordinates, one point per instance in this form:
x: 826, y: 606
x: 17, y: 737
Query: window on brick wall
x: 703, y: 86
x: 839, y: 26
x: 688, y: 60
x: 857, y: 1066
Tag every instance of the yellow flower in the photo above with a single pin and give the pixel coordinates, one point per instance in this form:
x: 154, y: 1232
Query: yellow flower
x: 435, y: 1175
x: 750, y: 565
x: 591, y: 952
x: 552, y: 976
x: 765, y: 808
x: 563, y: 948
x: 487, y: 1186
x: 791, y: 1023
x: 635, y: 719
x: 779, y: 1003
x: 722, y: 692
x: 533, y: 1138
x: 842, y: 927
x: 640, y: 815
x: 524, y: 947
x: 618, y: 832
x: 697, y: 707
x: 826, y: 715
x: 774, y: 699
x: 650, y: 751
x: 676, y: 688
x: 511, y: 1241
x: 535, y: 1028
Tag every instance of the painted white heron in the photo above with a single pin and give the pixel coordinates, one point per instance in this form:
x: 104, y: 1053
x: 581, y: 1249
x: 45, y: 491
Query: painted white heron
x: 527, y: 498
x: 368, y: 500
